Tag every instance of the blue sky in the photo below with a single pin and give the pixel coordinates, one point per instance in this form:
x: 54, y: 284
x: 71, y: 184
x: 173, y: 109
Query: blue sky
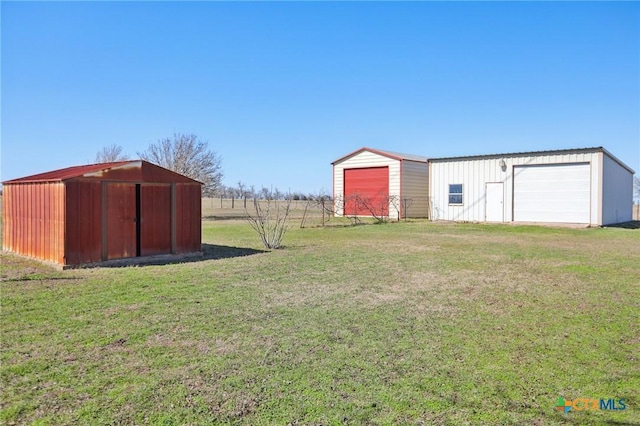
x: 280, y: 90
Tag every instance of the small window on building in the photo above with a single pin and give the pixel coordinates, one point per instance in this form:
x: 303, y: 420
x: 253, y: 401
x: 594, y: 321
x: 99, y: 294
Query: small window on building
x: 455, y: 193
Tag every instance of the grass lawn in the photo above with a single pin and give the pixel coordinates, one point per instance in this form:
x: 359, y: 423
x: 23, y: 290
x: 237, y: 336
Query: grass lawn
x: 402, y: 323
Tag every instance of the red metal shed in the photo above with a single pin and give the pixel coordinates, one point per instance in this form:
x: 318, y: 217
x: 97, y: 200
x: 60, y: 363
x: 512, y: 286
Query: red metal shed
x: 99, y: 212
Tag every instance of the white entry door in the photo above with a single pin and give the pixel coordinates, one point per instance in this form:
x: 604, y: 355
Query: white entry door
x: 494, y: 210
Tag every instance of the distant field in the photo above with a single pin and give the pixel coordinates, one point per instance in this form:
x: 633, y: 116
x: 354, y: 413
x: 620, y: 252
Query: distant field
x: 227, y: 208
x: 403, y: 323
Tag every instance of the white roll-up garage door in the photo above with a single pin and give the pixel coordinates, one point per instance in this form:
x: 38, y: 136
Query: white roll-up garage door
x: 552, y: 193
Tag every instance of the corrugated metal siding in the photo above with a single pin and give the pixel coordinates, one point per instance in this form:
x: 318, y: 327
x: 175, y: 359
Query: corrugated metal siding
x: 473, y: 174
x: 7, y: 218
x: 121, y: 220
x: 188, y: 218
x: 94, y: 214
x: 83, y: 228
x: 157, y: 174
x: 138, y: 171
x: 33, y: 220
x: 155, y: 220
x: 415, y: 189
x: 362, y: 160
x: 617, y: 192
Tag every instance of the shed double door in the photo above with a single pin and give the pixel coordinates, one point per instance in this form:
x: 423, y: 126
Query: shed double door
x: 137, y: 220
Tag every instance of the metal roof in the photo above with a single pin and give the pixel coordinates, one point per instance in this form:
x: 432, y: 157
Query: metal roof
x: 517, y: 154
x: 67, y: 173
x: 411, y: 157
x: 96, y: 171
x: 549, y: 152
x: 394, y: 155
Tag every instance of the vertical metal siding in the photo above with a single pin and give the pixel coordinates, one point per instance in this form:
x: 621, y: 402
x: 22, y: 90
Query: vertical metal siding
x: 93, y: 217
x: 188, y: 218
x: 415, y: 187
x: 475, y: 173
x: 8, y: 218
x: 121, y: 220
x: 155, y: 225
x: 33, y: 220
x: 617, y: 192
x: 83, y: 228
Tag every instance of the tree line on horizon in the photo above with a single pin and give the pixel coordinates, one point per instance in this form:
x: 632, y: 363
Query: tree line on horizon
x: 190, y: 156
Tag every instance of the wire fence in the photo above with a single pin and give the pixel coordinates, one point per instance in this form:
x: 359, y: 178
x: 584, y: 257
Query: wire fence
x: 308, y: 211
x: 219, y: 203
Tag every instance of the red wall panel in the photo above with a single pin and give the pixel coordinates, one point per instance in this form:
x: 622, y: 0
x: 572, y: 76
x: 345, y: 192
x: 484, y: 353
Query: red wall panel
x: 72, y: 221
x: 121, y: 220
x: 188, y: 218
x: 33, y: 220
x: 83, y: 222
x: 155, y: 219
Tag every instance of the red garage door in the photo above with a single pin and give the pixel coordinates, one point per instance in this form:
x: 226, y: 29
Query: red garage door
x: 366, y: 191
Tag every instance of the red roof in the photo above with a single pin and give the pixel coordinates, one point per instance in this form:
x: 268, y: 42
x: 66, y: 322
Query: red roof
x: 101, y: 169
x: 67, y: 173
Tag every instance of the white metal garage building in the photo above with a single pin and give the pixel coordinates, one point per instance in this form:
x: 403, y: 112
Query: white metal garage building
x: 370, y: 182
x: 583, y: 186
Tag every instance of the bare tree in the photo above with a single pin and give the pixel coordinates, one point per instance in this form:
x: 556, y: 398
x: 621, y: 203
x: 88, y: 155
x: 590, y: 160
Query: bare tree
x: 270, y: 220
x: 242, y: 189
x: 189, y: 156
x: 111, y: 154
x: 347, y: 204
x: 265, y: 193
x: 378, y: 207
x: 355, y: 206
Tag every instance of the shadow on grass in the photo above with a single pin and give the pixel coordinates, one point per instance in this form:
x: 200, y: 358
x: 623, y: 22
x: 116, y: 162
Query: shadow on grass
x: 226, y: 217
x: 632, y: 224
x: 213, y: 251
x: 209, y: 252
x: 38, y: 277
